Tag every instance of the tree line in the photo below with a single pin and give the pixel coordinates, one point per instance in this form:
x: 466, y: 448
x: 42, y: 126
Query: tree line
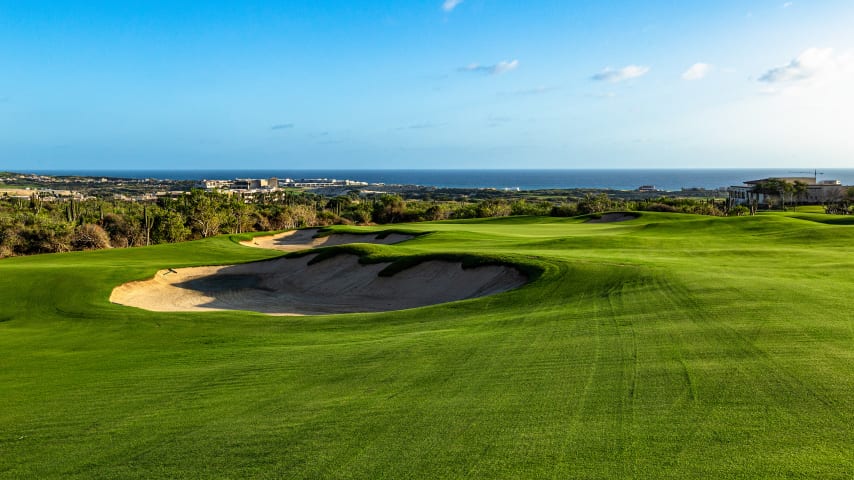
x: 35, y: 225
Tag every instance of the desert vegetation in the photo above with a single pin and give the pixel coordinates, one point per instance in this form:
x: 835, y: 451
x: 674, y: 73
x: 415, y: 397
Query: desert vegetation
x: 37, y: 225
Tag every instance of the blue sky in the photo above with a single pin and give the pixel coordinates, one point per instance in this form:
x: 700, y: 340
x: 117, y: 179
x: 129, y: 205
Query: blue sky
x: 427, y: 84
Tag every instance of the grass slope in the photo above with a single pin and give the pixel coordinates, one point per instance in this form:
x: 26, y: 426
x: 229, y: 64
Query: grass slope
x: 670, y: 346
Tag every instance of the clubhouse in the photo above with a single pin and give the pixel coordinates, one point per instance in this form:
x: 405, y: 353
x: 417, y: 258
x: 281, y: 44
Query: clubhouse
x: 816, y: 193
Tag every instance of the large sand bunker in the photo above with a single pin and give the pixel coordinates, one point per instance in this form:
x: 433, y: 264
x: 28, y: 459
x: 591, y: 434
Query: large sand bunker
x: 291, y: 286
x: 295, y: 240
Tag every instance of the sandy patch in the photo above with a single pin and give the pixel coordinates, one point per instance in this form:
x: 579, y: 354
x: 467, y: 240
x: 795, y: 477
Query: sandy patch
x: 613, y: 217
x: 293, y: 287
x: 295, y: 240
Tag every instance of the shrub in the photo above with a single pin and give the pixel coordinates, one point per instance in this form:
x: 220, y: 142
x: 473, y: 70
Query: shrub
x: 661, y: 207
x: 564, y: 210
x: 738, y: 211
x: 90, y: 237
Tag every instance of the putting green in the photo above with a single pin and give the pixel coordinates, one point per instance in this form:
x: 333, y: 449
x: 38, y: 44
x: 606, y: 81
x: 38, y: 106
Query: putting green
x: 667, y: 346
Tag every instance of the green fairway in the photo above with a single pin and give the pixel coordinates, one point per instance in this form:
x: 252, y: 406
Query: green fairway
x: 669, y: 346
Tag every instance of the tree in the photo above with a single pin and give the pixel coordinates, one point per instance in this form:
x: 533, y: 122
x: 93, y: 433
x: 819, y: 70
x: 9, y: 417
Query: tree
x: 493, y: 208
x: 772, y: 187
x: 594, y: 204
x: 436, y: 212
x: 799, y: 188
x: 304, y: 215
x: 389, y: 208
x: 204, y: 213
x: 358, y: 212
x: 240, y: 214
x: 339, y: 204
x: 207, y: 221
x: 170, y: 227
x: 148, y: 222
x: 785, y: 188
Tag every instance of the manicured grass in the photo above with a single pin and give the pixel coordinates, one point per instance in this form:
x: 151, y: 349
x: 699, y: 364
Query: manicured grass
x: 670, y: 346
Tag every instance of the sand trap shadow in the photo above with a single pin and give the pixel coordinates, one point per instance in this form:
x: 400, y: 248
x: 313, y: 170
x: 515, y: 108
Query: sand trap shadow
x: 295, y: 240
x: 293, y: 286
x: 613, y: 217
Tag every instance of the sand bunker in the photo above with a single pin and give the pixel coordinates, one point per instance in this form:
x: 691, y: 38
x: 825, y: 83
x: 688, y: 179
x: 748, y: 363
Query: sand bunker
x: 613, y: 217
x: 295, y: 240
x: 293, y: 287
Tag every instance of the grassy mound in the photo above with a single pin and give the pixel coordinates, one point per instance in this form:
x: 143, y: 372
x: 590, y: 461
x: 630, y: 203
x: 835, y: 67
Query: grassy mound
x: 670, y: 346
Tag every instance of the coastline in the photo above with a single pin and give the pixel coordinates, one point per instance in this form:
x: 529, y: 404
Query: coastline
x: 501, y: 179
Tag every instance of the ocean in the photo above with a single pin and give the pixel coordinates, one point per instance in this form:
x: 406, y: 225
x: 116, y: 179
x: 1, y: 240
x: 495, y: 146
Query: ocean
x: 616, y: 179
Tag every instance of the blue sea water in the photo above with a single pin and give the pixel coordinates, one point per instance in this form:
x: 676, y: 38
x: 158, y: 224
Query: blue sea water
x: 664, y: 179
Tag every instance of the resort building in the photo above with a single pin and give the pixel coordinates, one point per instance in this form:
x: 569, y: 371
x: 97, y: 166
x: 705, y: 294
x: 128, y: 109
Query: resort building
x: 247, y: 185
x: 815, y: 192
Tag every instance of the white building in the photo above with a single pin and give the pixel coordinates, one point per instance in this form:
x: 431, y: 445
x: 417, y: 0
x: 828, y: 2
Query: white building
x: 825, y: 191
x: 215, y: 184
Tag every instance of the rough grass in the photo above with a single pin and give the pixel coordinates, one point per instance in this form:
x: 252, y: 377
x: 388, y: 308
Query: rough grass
x: 672, y: 346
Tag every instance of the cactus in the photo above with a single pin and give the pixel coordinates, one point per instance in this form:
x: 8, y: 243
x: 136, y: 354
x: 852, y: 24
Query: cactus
x: 36, y: 203
x: 148, y: 223
x: 72, y: 211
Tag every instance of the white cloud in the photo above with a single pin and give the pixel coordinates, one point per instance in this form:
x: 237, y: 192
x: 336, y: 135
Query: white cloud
x: 812, y: 65
x: 626, y: 73
x: 788, y: 4
x: 698, y: 71
x: 806, y: 113
x: 503, y: 66
x: 450, y: 5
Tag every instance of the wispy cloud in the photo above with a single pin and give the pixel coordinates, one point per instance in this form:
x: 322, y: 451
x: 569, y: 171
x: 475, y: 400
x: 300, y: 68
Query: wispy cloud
x: 450, y: 5
x: 815, y: 70
x: 698, y: 71
x: 282, y: 126
x: 788, y: 4
x: 626, y: 73
x: 503, y: 66
x: 809, y: 64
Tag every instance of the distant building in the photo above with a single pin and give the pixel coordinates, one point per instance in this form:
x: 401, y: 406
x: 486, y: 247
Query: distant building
x: 257, y: 183
x: 816, y: 192
x: 240, y: 184
x: 647, y: 188
x: 215, y: 184
x: 247, y: 185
